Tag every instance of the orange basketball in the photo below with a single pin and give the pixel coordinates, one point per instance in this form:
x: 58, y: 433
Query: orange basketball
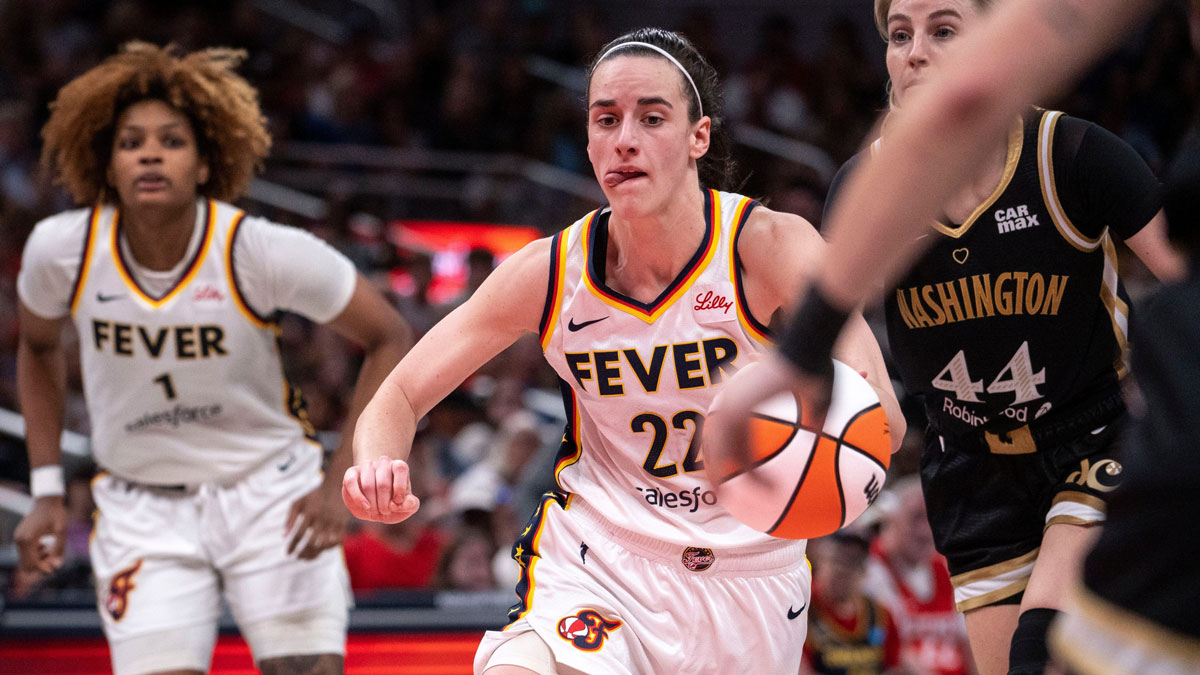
x: 807, y: 482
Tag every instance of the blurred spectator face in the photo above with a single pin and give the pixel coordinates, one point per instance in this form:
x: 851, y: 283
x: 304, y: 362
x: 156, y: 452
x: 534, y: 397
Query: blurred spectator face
x: 906, y: 531
x: 470, y: 565
x: 839, y: 566
x: 918, y: 33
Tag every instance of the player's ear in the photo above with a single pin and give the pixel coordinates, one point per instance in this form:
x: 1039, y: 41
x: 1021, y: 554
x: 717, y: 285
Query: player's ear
x: 700, y: 137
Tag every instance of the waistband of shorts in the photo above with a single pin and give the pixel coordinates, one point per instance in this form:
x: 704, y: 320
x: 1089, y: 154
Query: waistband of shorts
x: 193, y: 488
x: 771, y: 557
x: 1057, y: 427
x: 179, y: 489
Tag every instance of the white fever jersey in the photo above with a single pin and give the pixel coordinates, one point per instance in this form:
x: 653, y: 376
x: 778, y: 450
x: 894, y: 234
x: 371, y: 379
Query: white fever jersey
x: 637, y: 379
x: 186, y: 387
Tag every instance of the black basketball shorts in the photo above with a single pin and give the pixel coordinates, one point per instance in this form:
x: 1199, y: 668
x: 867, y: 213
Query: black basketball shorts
x: 989, y: 510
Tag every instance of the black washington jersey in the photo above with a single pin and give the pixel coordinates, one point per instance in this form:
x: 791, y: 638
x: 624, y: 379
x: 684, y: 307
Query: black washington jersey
x: 1019, y: 311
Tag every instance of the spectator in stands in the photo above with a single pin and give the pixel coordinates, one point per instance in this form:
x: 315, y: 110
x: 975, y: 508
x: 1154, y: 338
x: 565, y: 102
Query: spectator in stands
x: 908, y: 577
x: 388, y: 557
x: 466, y: 564
x: 848, y: 631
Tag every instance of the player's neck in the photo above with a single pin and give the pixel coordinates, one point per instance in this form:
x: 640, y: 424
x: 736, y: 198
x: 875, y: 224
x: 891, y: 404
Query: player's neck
x: 645, y: 254
x: 158, y: 237
x: 963, y: 204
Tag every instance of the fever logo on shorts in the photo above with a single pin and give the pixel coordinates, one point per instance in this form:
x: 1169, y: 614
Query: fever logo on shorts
x: 698, y: 559
x: 587, y: 630
x: 118, y: 591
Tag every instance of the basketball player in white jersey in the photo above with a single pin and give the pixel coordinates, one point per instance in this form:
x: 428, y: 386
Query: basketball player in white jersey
x: 643, y: 308
x: 211, y: 483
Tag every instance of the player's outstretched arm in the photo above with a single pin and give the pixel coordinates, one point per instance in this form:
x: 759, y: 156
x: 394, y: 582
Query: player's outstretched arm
x: 317, y: 521
x: 41, y: 387
x: 507, y: 305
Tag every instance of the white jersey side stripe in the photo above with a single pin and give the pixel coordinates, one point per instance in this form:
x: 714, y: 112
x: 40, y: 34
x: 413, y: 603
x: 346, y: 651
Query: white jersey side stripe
x: 1050, y: 191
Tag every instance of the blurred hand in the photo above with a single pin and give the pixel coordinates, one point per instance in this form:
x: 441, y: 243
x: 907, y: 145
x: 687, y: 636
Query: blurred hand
x: 380, y: 491
x: 41, y: 536
x: 726, y: 427
x: 317, y: 521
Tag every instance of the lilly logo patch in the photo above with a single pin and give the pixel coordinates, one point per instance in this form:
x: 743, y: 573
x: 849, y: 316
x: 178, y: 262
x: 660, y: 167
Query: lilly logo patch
x: 713, y: 303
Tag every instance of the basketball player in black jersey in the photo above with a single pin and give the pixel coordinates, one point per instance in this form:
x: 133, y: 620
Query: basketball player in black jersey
x: 945, y: 143
x: 1011, y: 329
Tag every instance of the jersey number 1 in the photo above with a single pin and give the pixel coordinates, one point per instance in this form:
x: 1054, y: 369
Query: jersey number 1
x: 167, y: 385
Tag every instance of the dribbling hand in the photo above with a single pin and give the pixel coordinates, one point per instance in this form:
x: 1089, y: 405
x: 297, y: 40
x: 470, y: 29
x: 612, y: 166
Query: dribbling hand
x: 726, y: 428
x: 380, y: 491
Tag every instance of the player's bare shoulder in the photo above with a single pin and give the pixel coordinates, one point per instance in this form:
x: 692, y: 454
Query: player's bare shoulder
x: 769, y: 234
x: 778, y: 251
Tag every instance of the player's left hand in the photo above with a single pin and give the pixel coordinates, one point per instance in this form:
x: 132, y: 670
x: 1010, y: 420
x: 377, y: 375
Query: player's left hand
x: 317, y: 520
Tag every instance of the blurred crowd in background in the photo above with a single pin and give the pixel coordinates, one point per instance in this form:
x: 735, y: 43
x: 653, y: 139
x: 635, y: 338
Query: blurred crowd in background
x: 503, y: 78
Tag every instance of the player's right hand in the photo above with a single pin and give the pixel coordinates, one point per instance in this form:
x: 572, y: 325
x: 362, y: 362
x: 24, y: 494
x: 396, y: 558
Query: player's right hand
x: 41, y: 536
x: 379, y: 490
x: 726, y: 438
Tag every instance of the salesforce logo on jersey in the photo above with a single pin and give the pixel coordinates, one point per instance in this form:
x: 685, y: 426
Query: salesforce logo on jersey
x: 174, y: 417
x: 691, y: 500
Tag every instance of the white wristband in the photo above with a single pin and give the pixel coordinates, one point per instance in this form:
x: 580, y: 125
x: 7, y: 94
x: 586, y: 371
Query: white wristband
x: 47, y: 481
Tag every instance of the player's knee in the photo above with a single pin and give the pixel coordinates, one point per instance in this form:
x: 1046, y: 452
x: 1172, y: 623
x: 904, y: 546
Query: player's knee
x: 1028, y: 654
x: 313, y: 641
x: 523, y: 654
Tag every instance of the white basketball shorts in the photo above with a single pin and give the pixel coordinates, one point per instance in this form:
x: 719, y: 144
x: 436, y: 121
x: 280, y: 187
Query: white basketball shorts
x: 164, y: 557
x: 611, y: 601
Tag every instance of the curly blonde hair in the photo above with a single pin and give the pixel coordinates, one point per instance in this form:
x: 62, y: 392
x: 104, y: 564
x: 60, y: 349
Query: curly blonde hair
x: 230, y: 129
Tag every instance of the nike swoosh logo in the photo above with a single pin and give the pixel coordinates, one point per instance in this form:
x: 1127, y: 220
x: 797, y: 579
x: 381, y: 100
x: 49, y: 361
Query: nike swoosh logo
x: 287, y: 464
x: 572, y: 326
x: 107, y: 298
x: 793, y: 613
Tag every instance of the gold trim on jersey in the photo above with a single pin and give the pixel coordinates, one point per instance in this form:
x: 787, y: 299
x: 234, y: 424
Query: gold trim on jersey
x: 1058, y: 215
x: 744, y: 314
x: 89, y: 247
x: 991, y: 571
x: 993, y: 596
x: 1071, y: 520
x: 234, y: 289
x: 713, y: 226
x: 560, y: 273
x: 1109, y: 621
x: 1016, y: 135
x: 1118, y: 310
x: 193, y: 267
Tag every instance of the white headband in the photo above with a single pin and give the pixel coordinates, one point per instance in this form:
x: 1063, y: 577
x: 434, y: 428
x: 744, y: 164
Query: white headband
x: 660, y: 50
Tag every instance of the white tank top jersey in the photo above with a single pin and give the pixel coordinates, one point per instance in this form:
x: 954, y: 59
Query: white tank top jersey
x: 187, y: 386
x: 637, y: 379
